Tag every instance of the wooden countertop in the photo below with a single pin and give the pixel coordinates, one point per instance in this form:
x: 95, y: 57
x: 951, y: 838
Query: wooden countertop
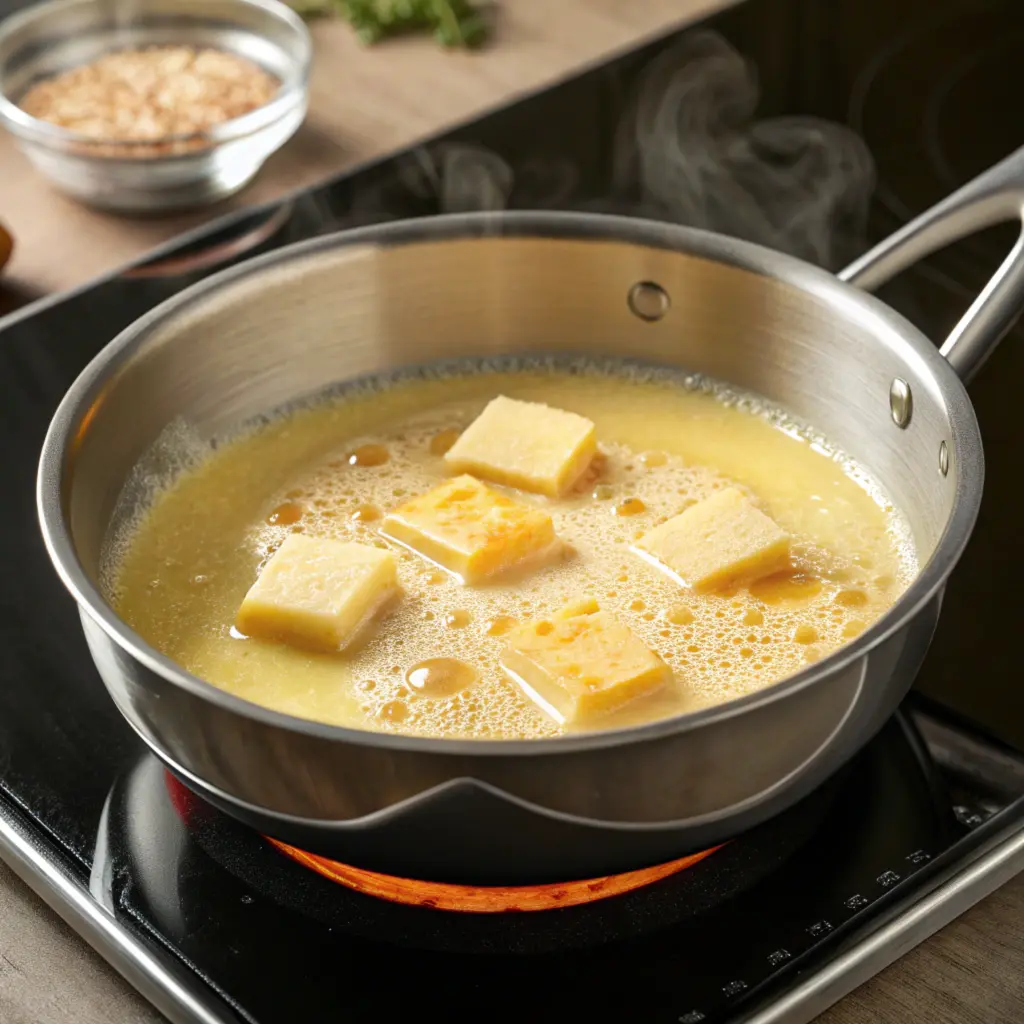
x: 365, y: 103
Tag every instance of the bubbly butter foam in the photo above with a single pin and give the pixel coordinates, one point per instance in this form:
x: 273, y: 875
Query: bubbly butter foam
x: 335, y: 468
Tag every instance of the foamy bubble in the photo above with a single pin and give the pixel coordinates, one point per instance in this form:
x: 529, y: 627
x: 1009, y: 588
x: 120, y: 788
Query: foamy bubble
x: 719, y: 646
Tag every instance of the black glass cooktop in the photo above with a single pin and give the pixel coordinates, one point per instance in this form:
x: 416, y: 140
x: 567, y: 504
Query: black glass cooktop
x: 279, y: 943
x: 216, y: 925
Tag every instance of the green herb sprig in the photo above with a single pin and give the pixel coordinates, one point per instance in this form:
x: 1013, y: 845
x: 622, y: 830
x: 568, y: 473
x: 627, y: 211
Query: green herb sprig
x: 456, y: 24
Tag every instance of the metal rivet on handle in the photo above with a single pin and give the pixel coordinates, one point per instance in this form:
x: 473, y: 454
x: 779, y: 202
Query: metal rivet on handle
x: 648, y: 300
x: 943, y: 458
x: 901, y: 402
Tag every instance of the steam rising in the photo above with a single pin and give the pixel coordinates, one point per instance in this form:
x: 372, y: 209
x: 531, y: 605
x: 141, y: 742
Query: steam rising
x: 689, y: 150
x: 460, y: 177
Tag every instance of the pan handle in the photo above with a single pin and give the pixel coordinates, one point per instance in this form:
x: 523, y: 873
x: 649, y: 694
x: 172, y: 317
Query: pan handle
x: 995, y: 196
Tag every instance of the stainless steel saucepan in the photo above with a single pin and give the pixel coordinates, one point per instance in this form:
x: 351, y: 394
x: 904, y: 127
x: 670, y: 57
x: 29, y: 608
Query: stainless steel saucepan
x: 289, y: 323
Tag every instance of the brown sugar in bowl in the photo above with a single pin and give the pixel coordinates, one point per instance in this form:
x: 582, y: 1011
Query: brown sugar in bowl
x: 177, y: 107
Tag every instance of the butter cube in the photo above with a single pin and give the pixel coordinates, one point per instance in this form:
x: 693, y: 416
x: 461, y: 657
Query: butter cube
x: 581, y: 663
x: 317, y: 593
x: 526, y: 445
x: 471, y: 530
x: 720, y: 540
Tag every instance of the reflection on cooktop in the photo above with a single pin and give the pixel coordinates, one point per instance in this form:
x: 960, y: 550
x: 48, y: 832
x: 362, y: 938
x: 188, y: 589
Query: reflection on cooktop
x: 234, y: 906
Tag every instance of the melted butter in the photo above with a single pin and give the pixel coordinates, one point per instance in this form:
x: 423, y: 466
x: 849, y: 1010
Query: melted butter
x: 369, y: 455
x: 215, y: 524
x: 285, y: 514
x: 366, y: 514
x: 441, y: 443
x: 630, y: 507
x: 440, y: 677
x: 785, y: 587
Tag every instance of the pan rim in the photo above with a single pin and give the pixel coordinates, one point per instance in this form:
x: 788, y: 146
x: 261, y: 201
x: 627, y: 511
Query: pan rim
x: 968, y: 463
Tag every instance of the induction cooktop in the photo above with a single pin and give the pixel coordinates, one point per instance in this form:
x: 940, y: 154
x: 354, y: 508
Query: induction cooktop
x: 217, y: 924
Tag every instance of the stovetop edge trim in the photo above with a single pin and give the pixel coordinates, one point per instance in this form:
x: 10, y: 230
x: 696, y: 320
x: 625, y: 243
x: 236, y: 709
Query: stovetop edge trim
x: 146, y: 969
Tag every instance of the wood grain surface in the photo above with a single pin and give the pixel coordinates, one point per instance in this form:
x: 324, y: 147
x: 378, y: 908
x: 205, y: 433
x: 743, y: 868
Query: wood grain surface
x: 363, y: 102
x: 48, y: 975
x: 972, y: 972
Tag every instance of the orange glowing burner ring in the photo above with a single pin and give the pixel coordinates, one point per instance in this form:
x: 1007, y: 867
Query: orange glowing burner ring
x: 468, y: 899
x: 476, y: 899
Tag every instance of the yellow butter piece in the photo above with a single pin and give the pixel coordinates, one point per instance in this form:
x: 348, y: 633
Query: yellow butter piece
x: 723, y: 539
x: 526, y: 445
x: 583, y: 606
x: 317, y: 593
x: 581, y: 662
x: 471, y: 530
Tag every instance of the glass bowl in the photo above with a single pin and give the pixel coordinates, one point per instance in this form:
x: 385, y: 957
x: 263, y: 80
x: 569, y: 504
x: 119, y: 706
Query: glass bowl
x: 171, y: 173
